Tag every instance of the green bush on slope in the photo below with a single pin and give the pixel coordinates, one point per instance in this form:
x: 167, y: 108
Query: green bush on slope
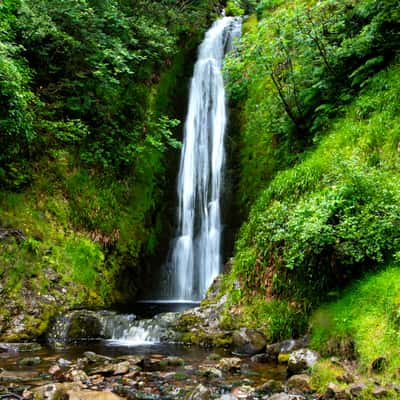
x: 314, y: 106
x: 301, y: 65
x: 336, y: 214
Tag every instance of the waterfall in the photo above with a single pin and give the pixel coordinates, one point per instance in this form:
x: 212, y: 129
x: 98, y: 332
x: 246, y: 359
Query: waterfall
x: 195, y: 254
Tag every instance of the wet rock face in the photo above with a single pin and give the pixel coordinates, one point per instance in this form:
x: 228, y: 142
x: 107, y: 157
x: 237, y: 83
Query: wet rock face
x: 248, y: 341
x: 74, y: 326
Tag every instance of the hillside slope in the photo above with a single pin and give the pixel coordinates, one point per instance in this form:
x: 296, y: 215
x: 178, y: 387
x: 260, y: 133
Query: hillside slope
x: 90, y: 92
x: 316, y: 88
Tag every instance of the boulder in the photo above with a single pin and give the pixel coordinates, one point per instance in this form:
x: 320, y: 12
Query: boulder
x: 243, y: 392
x: 210, y: 372
x: 19, y: 376
x: 300, y: 383
x: 174, y: 361
x: 227, y: 397
x: 76, y: 375
x: 248, y: 341
x: 54, y: 390
x: 84, y: 325
x: 273, y: 351
x: 356, y: 389
x: 336, y: 392
x: 120, y: 368
x: 283, y: 358
x: 132, y: 359
x: 290, y: 345
x: 55, y: 369
x: 270, y: 387
x: 270, y: 355
x: 96, y: 358
x: 347, y: 377
x: 231, y: 364
x: 90, y: 395
x: 75, y: 326
x: 62, y: 362
x: 17, y: 234
x: 301, y: 361
x: 380, y: 392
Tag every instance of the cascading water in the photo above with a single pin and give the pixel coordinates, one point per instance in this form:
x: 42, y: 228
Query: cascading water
x: 195, y: 255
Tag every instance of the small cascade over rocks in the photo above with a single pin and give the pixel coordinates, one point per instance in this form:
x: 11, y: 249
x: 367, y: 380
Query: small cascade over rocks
x: 195, y: 254
x: 143, y: 332
x: 147, y: 331
x: 117, y: 329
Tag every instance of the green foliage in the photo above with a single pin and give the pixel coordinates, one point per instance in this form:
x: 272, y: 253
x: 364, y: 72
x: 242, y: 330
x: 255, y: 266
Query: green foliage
x: 233, y: 8
x: 86, y: 259
x: 336, y: 214
x: 16, y: 99
x: 369, y: 307
x: 324, y: 373
x: 87, y: 123
x: 277, y: 319
x: 82, y: 74
x: 297, y: 70
x: 267, y: 6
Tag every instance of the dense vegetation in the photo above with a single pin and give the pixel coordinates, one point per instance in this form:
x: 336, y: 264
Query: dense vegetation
x: 88, y: 114
x: 89, y: 92
x: 316, y: 88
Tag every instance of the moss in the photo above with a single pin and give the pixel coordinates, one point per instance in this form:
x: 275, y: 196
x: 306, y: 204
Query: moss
x: 323, y: 373
x: 206, y: 338
x: 222, y: 340
x: 187, y: 322
x: 250, y: 24
x: 180, y: 376
x: 283, y: 358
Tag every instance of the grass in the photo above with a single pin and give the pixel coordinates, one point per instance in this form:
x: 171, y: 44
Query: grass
x: 276, y: 319
x: 366, y: 319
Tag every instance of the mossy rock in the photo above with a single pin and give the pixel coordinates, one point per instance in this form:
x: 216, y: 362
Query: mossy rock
x: 207, y: 339
x: 83, y: 325
x: 187, y: 321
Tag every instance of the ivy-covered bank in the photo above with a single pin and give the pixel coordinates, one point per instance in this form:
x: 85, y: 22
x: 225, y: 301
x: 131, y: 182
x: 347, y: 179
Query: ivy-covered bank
x: 90, y: 95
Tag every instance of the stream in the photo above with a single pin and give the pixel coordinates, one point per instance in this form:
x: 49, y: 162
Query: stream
x: 134, y: 368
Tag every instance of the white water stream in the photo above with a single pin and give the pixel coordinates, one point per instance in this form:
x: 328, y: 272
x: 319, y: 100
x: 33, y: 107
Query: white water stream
x: 195, y: 255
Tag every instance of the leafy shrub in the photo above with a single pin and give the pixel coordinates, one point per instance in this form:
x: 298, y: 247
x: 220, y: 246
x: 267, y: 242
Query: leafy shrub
x: 336, y: 214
